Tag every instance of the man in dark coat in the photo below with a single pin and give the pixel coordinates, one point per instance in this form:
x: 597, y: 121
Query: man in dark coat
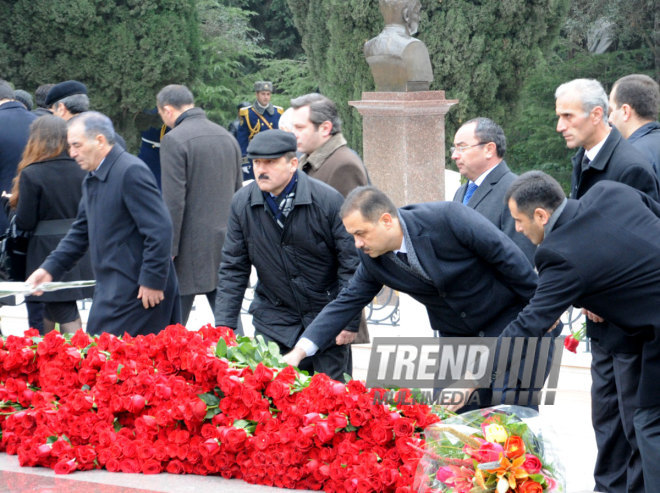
x: 619, y: 281
x: 469, y: 275
x: 287, y: 226
x: 200, y: 171
x: 603, y: 154
x: 15, y: 123
x: 478, y: 150
x: 125, y: 224
x: 634, y: 106
x: 326, y: 156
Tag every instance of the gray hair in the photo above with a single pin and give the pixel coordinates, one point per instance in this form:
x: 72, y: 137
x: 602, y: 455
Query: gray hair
x: 489, y: 131
x: 589, y: 91
x: 175, y: 95
x: 76, y: 103
x: 533, y: 190
x: 94, y: 123
x: 321, y: 109
x: 370, y: 202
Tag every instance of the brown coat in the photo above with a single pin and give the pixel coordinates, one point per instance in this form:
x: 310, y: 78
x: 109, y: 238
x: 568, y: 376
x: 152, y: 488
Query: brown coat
x: 340, y: 167
x: 336, y: 164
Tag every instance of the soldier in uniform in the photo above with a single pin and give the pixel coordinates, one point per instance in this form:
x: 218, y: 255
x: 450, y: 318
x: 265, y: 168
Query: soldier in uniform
x: 262, y: 115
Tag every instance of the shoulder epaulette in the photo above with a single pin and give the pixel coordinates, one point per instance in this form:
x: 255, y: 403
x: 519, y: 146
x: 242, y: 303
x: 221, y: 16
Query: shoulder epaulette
x: 279, y: 109
x: 244, y: 111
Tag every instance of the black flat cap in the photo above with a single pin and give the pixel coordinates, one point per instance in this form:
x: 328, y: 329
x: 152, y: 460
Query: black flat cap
x: 271, y: 144
x: 65, y: 89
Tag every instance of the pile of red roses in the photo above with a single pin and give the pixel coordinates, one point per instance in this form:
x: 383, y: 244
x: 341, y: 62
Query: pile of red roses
x: 200, y: 403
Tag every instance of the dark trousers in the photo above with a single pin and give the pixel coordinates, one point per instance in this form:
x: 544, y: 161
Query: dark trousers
x: 333, y: 361
x: 35, y: 312
x: 615, y: 377
x: 187, y: 303
x: 647, y: 428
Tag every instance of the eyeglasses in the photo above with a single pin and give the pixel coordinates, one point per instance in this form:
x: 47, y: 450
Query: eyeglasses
x: 454, y: 149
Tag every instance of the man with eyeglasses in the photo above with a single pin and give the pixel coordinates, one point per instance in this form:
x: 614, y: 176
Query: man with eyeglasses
x: 478, y: 151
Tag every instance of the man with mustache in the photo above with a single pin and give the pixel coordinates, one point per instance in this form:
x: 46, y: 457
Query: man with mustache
x: 287, y: 226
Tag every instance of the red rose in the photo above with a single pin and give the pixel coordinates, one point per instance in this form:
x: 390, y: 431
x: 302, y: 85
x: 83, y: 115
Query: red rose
x: 571, y: 343
x: 135, y: 404
x: 404, y: 427
x: 152, y: 467
x: 530, y: 486
x: 532, y: 464
x: 488, y: 452
x: 65, y: 466
x: 514, y: 447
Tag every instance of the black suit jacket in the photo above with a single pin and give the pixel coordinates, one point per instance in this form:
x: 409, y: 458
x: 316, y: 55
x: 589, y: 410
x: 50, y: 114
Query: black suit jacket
x: 617, y: 160
x: 488, y: 199
x: 619, y: 280
x: 480, y: 279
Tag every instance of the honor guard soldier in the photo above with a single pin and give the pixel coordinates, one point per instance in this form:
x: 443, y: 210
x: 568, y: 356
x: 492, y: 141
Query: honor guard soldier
x: 262, y: 115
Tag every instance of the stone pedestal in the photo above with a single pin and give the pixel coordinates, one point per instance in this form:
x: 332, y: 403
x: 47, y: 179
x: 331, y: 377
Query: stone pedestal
x: 403, y: 137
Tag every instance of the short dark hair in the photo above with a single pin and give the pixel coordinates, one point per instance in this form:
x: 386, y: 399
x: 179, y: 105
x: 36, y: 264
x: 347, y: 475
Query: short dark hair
x: 489, y: 131
x: 175, y: 95
x: 41, y: 93
x: 639, y: 91
x: 321, y: 109
x: 370, y: 202
x: 533, y: 190
x: 95, y: 123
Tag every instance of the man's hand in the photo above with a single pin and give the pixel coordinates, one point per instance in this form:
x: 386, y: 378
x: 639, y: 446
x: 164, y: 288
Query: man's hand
x: 295, y: 356
x: 38, y: 277
x: 345, y: 337
x: 150, y: 297
x: 592, y: 316
x: 466, y: 394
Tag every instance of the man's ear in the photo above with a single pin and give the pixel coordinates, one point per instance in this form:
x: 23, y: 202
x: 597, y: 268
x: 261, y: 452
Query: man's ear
x: 386, y: 219
x: 541, y: 216
x: 325, y: 128
x: 627, y: 112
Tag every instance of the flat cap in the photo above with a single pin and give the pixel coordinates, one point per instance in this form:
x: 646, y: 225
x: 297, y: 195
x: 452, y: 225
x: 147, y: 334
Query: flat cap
x: 65, y: 89
x: 271, y: 144
x: 263, y: 85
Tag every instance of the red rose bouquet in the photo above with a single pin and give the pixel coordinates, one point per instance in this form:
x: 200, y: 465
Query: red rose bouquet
x: 200, y: 403
x: 488, y: 450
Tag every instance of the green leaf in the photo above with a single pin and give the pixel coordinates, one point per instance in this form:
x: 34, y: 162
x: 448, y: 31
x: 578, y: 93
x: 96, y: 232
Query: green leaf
x: 212, y: 412
x: 51, y: 439
x: 221, y: 349
x: 209, y: 399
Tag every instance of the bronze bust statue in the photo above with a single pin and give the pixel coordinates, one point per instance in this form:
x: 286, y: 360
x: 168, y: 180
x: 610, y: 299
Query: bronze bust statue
x: 399, y: 62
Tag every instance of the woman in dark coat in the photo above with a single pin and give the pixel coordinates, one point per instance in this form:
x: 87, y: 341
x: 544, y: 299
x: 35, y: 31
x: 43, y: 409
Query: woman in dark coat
x: 45, y: 195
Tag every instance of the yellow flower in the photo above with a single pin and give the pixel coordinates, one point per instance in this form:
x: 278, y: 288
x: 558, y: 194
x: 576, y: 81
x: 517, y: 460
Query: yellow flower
x: 495, y: 433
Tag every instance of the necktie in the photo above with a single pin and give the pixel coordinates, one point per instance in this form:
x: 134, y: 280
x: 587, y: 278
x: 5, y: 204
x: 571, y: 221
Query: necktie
x: 403, y: 257
x: 469, y: 192
x: 585, y: 161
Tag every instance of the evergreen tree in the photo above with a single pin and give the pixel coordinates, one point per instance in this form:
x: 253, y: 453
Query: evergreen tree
x: 480, y: 51
x: 123, y: 51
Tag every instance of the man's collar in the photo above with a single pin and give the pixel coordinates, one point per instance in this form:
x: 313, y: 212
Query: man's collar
x: 483, y: 175
x: 593, y: 152
x: 553, y: 218
x: 194, y: 111
x: 320, y: 155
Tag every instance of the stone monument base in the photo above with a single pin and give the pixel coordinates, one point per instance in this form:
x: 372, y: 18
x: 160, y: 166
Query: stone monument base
x: 403, y: 137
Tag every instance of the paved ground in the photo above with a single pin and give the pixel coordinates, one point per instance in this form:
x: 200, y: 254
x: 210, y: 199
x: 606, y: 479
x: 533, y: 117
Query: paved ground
x: 569, y: 419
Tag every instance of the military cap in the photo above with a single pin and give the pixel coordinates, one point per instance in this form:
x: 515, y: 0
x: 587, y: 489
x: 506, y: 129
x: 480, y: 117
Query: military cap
x: 263, y: 85
x: 65, y: 89
x: 271, y: 144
